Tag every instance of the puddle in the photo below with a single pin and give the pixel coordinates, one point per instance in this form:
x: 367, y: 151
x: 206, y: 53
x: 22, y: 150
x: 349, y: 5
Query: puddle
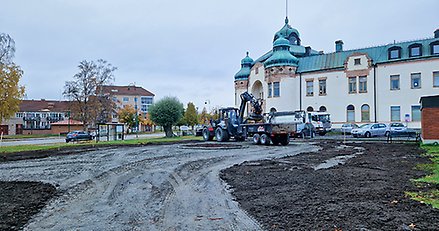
x: 339, y: 159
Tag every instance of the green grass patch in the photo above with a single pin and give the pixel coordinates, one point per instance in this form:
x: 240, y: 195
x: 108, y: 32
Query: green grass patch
x: 24, y: 148
x: 432, y: 196
x: 28, y: 136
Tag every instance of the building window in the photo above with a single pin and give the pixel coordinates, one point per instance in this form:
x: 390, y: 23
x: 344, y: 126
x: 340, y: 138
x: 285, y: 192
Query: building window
x: 395, y: 53
x: 350, y: 113
x: 322, y: 109
x: 144, y: 108
x: 362, y: 84
x: 416, y: 113
x: 309, y: 108
x: 365, y: 113
x: 270, y: 90
x: 276, y: 89
x: 434, y: 48
x: 436, y: 79
x: 357, y: 61
x: 394, y: 82
x: 416, y: 80
x: 126, y: 99
x: 146, y: 100
x: 322, y: 87
x: 352, y: 85
x: 415, y: 50
x: 309, y: 88
x: 395, y: 113
x: 256, y: 70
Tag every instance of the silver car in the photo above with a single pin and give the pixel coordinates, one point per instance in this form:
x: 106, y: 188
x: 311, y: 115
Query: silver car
x: 369, y: 130
x: 347, y: 128
x: 396, y: 128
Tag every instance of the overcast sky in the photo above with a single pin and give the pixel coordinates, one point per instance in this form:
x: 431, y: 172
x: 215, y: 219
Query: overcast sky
x: 190, y: 49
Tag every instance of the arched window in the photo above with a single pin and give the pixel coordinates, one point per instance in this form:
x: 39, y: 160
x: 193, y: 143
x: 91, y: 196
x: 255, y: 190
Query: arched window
x: 273, y: 110
x: 365, y: 113
x: 322, y: 109
x: 309, y: 109
x: 350, y: 113
x: 395, y: 52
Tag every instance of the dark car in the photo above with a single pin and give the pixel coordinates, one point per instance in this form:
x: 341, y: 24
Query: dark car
x: 78, y: 135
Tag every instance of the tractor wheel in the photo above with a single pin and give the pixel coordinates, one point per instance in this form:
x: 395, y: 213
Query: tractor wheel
x: 265, y: 140
x: 221, y: 135
x: 285, y: 140
x: 256, y: 139
x: 275, y: 140
x: 206, y: 135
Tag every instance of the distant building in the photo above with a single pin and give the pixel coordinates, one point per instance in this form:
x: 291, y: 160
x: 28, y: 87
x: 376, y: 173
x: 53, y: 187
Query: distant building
x: 36, y: 117
x: 135, y: 96
x: 376, y: 84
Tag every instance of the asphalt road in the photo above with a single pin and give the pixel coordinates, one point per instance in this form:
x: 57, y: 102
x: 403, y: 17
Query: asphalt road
x: 163, y: 187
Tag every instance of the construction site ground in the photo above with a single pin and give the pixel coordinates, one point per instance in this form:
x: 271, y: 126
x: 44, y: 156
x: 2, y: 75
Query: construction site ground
x: 312, y: 185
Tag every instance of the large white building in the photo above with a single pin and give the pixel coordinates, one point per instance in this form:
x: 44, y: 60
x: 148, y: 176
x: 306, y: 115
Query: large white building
x: 376, y: 84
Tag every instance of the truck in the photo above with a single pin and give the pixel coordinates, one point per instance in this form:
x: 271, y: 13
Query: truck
x: 313, y: 122
x: 275, y: 128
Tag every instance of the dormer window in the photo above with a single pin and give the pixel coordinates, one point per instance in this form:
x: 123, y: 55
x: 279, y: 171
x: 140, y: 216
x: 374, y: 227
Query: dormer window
x: 434, y: 48
x: 395, y: 53
x: 415, y: 50
x: 357, y: 61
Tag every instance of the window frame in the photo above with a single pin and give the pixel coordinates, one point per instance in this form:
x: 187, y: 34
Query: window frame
x: 352, y: 85
x: 309, y: 93
x: 395, y: 48
x: 412, y: 78
x: 432, y: 46
x: 399, y: 113
x: 270, y: 90
x: 416, y: 45
x: 357, y: 61
x: 350, y: 112
x: 274, y: 89
x: 365, y: 113
x: 360, y: 90
x: 322, y: 87
x: 436, y: 83
x: 412, y: 114
x: 399, y: 82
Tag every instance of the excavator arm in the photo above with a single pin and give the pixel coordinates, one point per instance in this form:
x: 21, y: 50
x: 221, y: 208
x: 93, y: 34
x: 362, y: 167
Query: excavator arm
x: 257, y: 107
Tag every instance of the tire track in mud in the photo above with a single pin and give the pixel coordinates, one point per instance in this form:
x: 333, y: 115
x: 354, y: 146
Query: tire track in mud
x: 167, y: 187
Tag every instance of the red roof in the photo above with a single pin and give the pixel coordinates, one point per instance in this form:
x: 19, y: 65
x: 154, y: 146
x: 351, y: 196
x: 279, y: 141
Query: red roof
x: 66, y: 122
x: 126, y: 90
x: 40, y: 105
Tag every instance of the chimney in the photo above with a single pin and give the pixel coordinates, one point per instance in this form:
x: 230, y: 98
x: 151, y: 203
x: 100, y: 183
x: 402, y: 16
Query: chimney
x: 436, y: 33
x: 338, y: 45
x: 307, y: 51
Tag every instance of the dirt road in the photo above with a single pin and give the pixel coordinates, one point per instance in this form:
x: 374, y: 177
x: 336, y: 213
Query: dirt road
x: 165, y: 187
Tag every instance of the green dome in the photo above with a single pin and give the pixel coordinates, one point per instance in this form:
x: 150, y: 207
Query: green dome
x: 247, y: 60
x: 246, y: 64
x: 281, y: 55
x: 288, y: 33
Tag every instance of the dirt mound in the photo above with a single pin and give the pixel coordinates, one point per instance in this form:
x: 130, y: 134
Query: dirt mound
x: 19, y: 201
x: 363, y: 192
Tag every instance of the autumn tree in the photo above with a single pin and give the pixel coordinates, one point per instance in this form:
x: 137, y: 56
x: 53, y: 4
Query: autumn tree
x: 166, y: 112
x: 191, y: 115
x: 11, y: 92
x: 204, y: 116
x: 128, y: 116
x: 89, y: 103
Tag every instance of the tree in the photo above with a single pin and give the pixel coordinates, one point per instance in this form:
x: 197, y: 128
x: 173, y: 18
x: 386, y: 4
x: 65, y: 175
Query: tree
x: 11, y: 92
x: 127, y: 115
x: 204, y: 117
x: 166, y: 112
x: 191, y: 115
x: 86, y: 91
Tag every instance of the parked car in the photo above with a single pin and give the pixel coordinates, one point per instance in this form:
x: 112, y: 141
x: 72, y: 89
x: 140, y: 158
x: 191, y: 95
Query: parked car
x: 78, y: 135
x: 369, y: 130
x: 347, y: 128
x: 395, y: 128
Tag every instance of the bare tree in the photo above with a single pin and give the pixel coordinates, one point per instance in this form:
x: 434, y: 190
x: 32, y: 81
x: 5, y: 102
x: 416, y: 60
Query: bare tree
x: 86, y: 91
x: 7, y: 48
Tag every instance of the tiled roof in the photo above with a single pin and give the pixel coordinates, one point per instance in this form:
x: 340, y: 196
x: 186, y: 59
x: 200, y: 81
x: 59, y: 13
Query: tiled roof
x: 44, y: 105
x: 126, y: 90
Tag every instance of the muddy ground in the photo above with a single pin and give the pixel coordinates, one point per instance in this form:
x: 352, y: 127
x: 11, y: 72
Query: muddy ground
x: 178, y: 187
x: 316, y: 191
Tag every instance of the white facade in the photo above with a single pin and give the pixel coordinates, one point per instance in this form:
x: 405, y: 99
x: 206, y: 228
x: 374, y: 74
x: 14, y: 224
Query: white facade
x: 354, y: 81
